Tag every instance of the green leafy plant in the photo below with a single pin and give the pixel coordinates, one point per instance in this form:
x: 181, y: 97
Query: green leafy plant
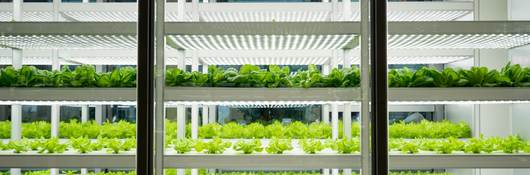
x: 479, y: 77
x: 312, y: 146
x: 17, y: 146
x: 215, y: 146
x: 409, y: 147
x: 345, y: 146
x: 52, y: 145
x: 278, y: 146
x: 82, y: 144
x: 232, y: 130
x: 183, y: 145
x: 511, y: 144
x: 255, y: 130
x: 210, y: 130
x: 514, y: 76
x: 247, y: 147
x: 296, y: 130
x: 449, y: 145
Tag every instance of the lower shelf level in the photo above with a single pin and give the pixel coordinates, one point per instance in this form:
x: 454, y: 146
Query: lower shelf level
x: 282, y: 161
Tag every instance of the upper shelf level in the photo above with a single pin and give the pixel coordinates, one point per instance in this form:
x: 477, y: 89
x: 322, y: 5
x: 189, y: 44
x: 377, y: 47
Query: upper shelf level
x: 237, y: 12
x: 268, y: 96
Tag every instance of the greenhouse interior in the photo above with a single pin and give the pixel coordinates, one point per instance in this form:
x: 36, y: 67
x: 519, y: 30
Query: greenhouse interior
x: 264, y: 87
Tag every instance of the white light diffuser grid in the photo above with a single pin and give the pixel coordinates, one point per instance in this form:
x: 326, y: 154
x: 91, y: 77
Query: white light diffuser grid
x: 68, y: 41
x: 454, y: 41
x: 261, y: 42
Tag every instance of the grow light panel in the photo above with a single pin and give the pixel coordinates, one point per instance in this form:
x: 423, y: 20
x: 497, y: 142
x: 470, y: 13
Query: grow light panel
x: 43, y: 103
x: 115, y: 60
x: 261, y: 42
x: 459, y: 102
x: 103, y: 16
x: 262, y: 16
x: 27, y: 61
x: 456, y: 41
x: 265, y: 60
x: 427, y: 15
x: 418, y: 60
x: 68, y: 41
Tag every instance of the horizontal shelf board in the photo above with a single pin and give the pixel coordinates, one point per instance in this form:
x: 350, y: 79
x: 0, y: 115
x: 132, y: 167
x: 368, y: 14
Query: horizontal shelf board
x: 397, y: 161
x: 419, y: 161
x: 491, y: 94
x: 260, y: 94
x: 68, y: 94
x: 269, y: 96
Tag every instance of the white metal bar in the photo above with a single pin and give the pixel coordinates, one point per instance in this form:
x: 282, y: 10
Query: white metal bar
x: 205, y: 68
x: 181, y: 121
x: 365, y: 88
x: 99, y: 114
x: 194, y: 121
x: 160, y: 86
x: 181, y: 10
x: 346, y: 11
x: 84, y: 171
x: 346, y: 58
x: 17, y: 11
x: 56, y: 64
x: 212, y: 116
x: 16, y: 122
x: 334, y: 121
x: 15, y: 171
x: 325, y: 113
x: 56, y: 6
x: 84, y: 113
x: 16, y: 58
x: 194, y: 61
x: 346, y: 118
x: 55, y: 118
x: 181, y: 60
x: 205, y: 114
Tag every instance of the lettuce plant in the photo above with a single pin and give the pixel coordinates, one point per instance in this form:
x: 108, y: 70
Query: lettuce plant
x: 511, y: 144
x: 255, y: 130
x: 52, y: 145
x: 18, y: 146
x: 409, y: 147
x: 232, y: 130
x: 312, y: 146
x: 209, y: 130
x: 345, y: 146
x: 183, y: 145
x: 278, y: 146
x: 296, y: 130
x: 247, y: 147
x: 215, y: 146
x: 81, y: 144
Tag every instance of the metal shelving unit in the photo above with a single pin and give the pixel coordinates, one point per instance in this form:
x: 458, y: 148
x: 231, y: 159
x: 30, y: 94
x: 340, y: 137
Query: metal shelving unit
x: 397, y: 161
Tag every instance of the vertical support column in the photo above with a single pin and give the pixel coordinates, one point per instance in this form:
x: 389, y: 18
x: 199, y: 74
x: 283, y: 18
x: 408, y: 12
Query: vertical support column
x: 180, y: 10
x: 181, y: 63
x: 212, y: 114
x: 346, y: 10
x: 205, y: 114
x: 55, y: 118
x: 204, y: 68
x: 16, y: 122
x: 334, y: 121
x: 181, y: 121
x: 346, y: 119
x: 325, y: 113
x: 17, y: 10
x: 346, y: 58
x: 181, y: 128
x: 16, y: 109
x: 99, y: 108
x: 160, y: 83
x: 365, y: 90
x: 194, y: 61
x: 194, y: 121
x: 84, y: 113
x: 56, y: 15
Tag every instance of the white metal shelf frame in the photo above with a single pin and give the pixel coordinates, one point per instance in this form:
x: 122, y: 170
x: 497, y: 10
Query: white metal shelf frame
x: 311, y: 161
x: 266, y: 96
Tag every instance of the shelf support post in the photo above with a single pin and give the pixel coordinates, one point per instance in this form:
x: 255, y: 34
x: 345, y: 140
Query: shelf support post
x: 16, y: 109
x: 181, y: 121
x: 212, y: 113
x: 346, y: 57
x: 194, y: 121
x: 180, y: 10
x: 17, y: 10
x: 181, y: 63
x: 55, y: 118
x: 84, y: 113
x: 194, y: 61
x: 365, y: 89
x: 99, y: 108
x: 346, y: 119
x: 325, y: 113
x: 346, y: 10
x: 204, y: 114
x: 334, y: 121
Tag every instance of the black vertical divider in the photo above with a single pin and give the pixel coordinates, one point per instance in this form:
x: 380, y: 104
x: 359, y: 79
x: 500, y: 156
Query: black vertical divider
x: 145, y: 88
x: 379, y: 90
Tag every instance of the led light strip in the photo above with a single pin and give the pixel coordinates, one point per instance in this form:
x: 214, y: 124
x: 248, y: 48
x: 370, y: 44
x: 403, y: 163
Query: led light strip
x: 69, y: 41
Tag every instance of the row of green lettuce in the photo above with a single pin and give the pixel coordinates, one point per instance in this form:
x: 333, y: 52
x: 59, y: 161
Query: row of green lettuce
x: 82, y: 145
x: 511, y: 144
x: 294, y: 130
x: 275, y: 76
x: 205, y: 172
